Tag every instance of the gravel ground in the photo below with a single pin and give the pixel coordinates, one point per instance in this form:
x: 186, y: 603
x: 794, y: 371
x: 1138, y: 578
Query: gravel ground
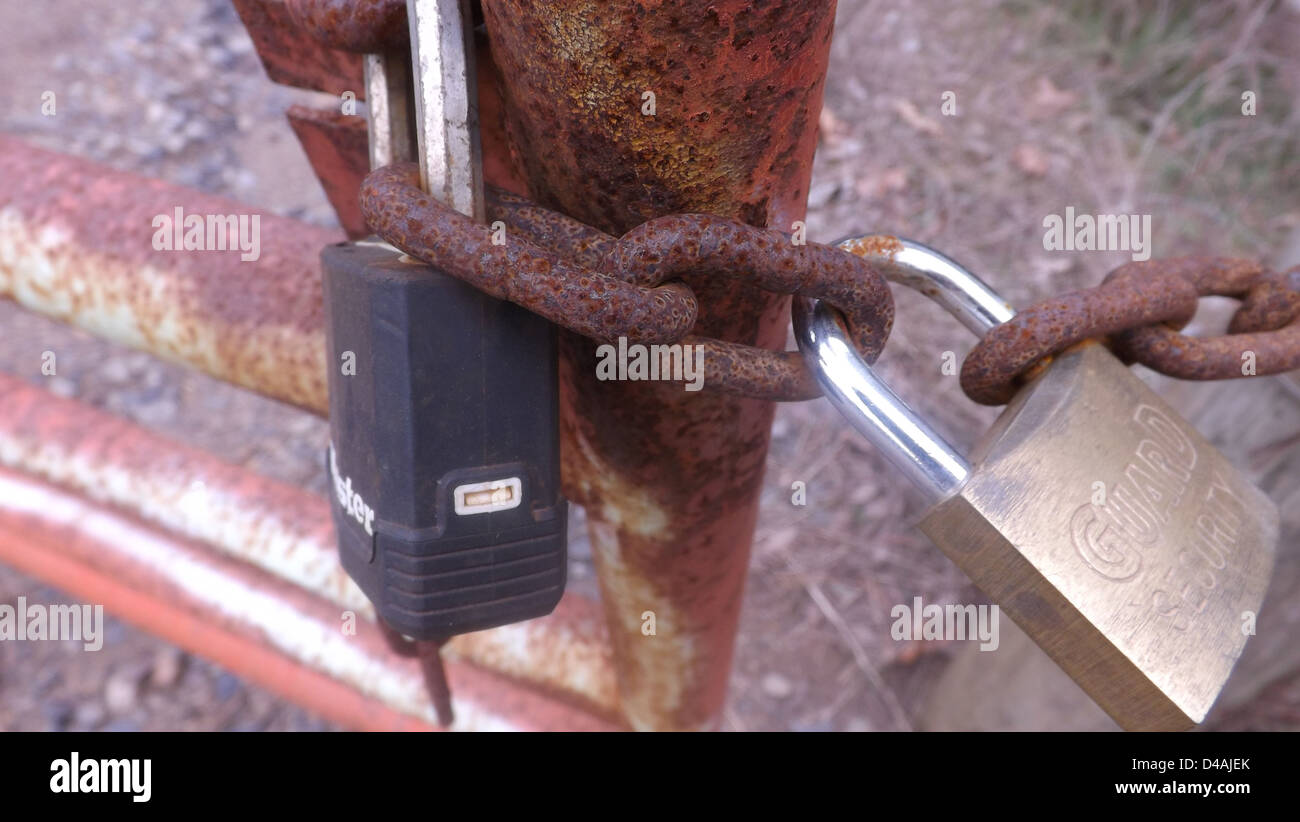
x: 1050, y: 112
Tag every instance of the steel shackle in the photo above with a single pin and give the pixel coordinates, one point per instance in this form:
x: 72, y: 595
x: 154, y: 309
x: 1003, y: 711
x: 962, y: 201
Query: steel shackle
x: 871, y: 406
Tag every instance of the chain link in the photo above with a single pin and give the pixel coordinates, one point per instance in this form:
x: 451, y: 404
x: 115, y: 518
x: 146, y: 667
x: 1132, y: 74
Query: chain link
x: 605, y: 288
x: 1139, y: 309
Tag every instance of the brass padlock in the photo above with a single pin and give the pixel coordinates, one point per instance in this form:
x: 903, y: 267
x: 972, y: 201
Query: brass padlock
x: 1099, y: 520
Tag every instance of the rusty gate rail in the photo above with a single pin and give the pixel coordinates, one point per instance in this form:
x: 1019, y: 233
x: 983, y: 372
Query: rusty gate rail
x: 67, y: 252
x: 280, y: 531
x: 259, y: 626
x: 76, y: 244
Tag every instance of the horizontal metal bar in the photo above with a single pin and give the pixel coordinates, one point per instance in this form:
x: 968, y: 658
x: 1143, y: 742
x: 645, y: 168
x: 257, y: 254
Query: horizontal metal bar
x: 260, y: 627
x: 77, y: 243
x: 280, y: 529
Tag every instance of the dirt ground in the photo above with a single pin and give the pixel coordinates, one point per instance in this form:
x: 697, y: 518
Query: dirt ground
x: 1124, y: 107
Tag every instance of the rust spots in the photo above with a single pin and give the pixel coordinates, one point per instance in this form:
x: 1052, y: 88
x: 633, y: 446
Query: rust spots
x: 519, y: 271
x: 873, y: 245
x: 335, y: 144
x: 83, y: 253
x: 702, y: 246
x: 293, y: 57
x: 1263, y: 338
x: 556, y: 249
x: 574, y: 75
x: 734, y: 88
x: 271, y: 531
x: 361, y: 26
x: 708, y: 247
x: 1139, y: 307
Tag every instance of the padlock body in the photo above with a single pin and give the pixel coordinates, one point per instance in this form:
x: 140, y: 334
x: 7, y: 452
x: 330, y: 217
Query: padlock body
x: 1117, y: 537
x: 444, y: 446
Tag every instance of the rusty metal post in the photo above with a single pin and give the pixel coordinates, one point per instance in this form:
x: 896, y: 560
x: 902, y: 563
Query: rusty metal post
x: 618, y: 113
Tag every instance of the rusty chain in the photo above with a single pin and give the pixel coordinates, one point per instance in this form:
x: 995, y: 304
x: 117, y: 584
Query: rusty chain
x: 605, y: 288
x: 1139, y: 309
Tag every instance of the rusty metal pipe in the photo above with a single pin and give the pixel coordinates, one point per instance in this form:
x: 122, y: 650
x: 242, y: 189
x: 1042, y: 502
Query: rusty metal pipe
x: 77, y: 243
x: 280, y: 530
x: 361, y: 26
x: 619, y: 113
x: 290, y: 55
x: 262, y: 628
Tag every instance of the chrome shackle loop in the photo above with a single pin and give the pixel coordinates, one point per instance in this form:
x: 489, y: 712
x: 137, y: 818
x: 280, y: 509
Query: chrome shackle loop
x: 871, y: 406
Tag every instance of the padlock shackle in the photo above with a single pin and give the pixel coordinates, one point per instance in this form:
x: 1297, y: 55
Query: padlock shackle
x: 446, y: 104
x: 390, y: 104
x: 951, y: 285
x: 870, y: 406
x: 927, y: 460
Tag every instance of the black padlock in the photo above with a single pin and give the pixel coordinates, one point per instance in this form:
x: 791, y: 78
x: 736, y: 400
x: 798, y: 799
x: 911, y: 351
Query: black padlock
x: 444, y: 455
